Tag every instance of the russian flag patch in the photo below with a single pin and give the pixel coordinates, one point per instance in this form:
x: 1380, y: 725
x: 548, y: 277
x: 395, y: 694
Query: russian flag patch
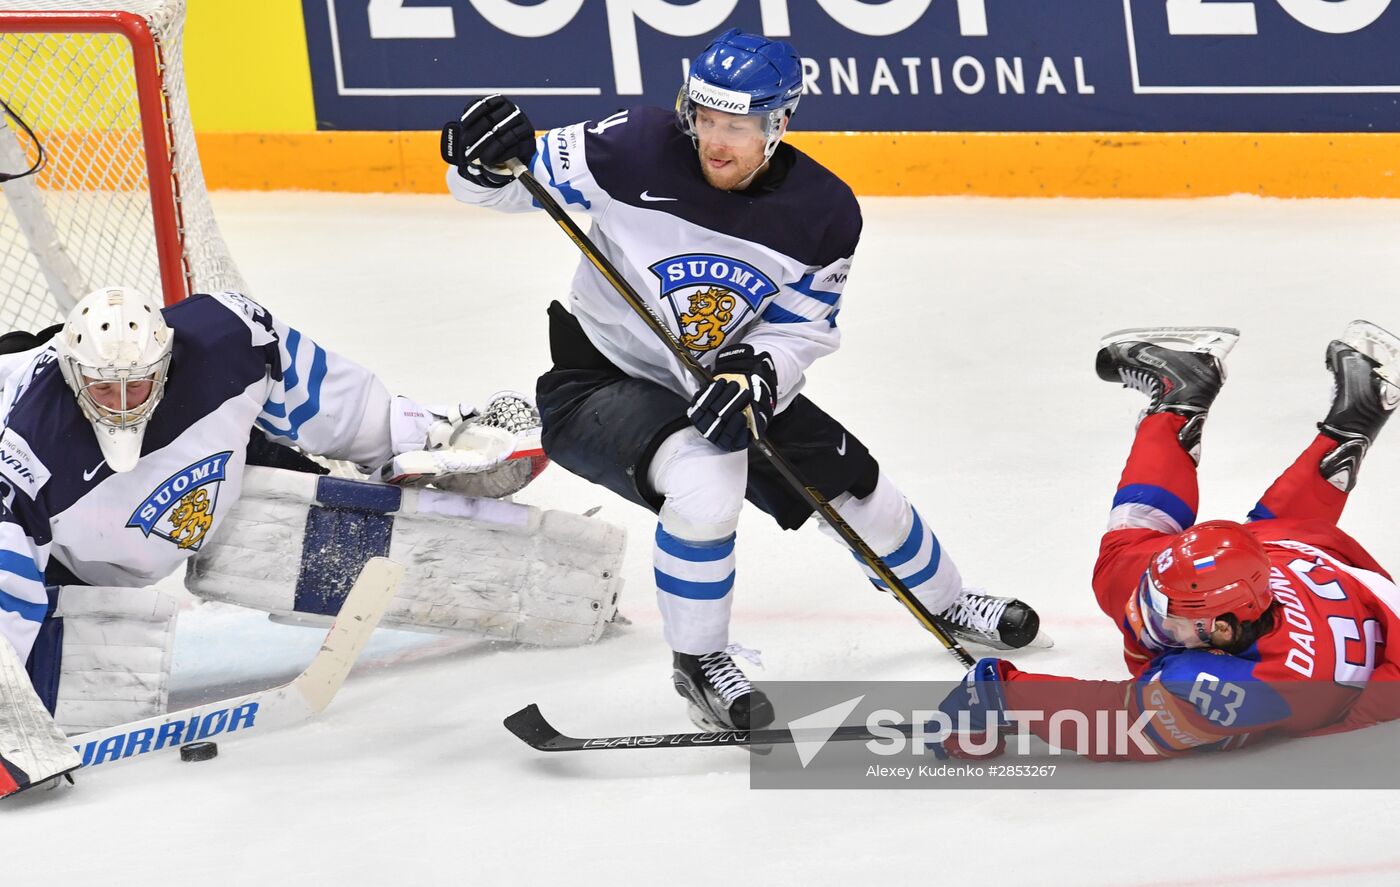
x: 1204, y: 563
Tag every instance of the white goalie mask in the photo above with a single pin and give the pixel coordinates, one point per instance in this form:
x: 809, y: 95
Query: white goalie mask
x: 114, y: 352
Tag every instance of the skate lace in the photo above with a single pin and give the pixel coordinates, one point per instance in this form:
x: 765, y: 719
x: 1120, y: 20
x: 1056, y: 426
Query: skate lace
x: 977, y: 611
x: 719, y: 669
x: 1141, y: 380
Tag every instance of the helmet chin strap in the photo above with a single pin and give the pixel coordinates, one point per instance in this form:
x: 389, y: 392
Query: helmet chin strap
x: 748, y: 179
x: 768, y: 150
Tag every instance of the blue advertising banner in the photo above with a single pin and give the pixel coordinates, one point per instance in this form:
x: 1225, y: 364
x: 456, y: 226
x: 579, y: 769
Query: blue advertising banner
x: 920, y: 65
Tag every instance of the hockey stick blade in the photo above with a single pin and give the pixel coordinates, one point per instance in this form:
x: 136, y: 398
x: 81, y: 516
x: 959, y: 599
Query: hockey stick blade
x: 530, y: 726
x: 304, y: 696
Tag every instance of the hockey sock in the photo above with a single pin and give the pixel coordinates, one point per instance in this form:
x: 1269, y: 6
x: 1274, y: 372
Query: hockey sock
x: 694, y: 585
x: 894, y: 529
x: 693, y: 553
x: 1158, y: 489
x: 1302, y: 492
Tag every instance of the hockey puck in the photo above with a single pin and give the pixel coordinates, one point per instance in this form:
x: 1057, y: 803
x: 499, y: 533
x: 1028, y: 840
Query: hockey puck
x: 199, y: 751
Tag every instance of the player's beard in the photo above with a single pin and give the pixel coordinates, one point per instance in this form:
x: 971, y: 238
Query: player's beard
x: 737, y: 174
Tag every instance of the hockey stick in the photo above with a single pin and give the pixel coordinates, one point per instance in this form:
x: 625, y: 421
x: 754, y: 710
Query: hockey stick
x: 810, y: 494
x: 530, y: 726
x: 304, y: 696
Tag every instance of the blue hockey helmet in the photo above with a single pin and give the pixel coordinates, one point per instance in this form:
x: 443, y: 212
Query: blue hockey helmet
x: 743, y: 74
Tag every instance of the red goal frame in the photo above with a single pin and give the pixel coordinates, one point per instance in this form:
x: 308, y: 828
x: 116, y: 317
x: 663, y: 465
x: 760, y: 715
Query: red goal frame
x: 176, y: 277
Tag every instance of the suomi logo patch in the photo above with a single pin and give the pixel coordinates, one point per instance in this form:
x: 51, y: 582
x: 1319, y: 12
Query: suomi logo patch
x: 710, y: 296
x: 181, y: 509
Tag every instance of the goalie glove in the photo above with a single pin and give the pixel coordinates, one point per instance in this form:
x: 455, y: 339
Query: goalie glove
x: 738, y: 403
x: 490, y: 454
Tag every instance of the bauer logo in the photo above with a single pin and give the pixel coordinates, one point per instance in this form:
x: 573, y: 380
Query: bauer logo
x: 181, y: 509
x: 710, y: 296
x: 1263, y: 46
x: 201, y: 724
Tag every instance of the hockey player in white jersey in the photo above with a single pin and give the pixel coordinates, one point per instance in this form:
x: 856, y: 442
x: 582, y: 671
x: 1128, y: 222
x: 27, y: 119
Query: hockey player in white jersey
x: 743, y: 245
x: 124, y: 447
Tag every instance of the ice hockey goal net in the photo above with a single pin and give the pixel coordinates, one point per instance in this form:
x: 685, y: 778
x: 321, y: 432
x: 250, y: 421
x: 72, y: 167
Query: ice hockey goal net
x: 120, y: 198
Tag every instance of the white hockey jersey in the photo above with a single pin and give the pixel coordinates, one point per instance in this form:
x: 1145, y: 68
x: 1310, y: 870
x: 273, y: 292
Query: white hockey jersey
x: 765, y: 266
x: 233, y: 368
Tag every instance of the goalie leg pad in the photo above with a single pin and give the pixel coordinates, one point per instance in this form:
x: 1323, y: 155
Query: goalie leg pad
x: 117, y: 647
x: 497, y: 570
x: 32, y: 748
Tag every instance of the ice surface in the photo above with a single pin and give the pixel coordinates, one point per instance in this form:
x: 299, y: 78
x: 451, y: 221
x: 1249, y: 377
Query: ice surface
x: 970, y: 331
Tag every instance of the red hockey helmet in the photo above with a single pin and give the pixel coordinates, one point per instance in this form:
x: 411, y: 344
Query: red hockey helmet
x: 1213, y: 569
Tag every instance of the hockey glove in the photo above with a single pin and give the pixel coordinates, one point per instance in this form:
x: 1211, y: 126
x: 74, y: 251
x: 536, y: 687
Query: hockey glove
x: 490, y: 454
x: 738, y: 403
x: 973, y: 712
x: 491, y: 131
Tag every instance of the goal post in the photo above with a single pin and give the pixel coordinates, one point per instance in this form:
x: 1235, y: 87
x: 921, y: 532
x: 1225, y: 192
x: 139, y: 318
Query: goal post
x: 120, y: 198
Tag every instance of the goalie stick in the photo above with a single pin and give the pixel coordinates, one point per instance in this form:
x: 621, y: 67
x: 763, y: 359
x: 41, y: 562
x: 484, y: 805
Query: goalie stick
x: 304, y: 696
x: 529, y: 726
x: 810, y: 494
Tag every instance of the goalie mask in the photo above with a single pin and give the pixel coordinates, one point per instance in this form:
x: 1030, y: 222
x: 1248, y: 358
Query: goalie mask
x: 114, y: 353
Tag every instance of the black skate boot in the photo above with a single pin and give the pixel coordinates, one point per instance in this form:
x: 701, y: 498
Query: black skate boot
x: 1365, y: 366
x: 720, y: 697
x: 1180, y: 369
x: 1002, y: 623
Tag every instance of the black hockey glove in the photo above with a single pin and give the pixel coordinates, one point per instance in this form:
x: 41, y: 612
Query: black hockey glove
x: 490, y: 131
x: 739, y: 403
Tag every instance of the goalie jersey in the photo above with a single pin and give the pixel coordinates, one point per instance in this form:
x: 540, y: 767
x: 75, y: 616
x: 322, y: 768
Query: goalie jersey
x: 765, y: 266
x: 233, y: 368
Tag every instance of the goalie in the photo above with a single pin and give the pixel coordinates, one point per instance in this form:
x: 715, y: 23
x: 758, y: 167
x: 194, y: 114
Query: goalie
x: 126, y: 447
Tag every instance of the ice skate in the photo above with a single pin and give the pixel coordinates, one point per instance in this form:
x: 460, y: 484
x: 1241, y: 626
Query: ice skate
x: 1365, y: 367
x: 1180, y: 369
x: 720, y: 696
x: 1001, y: 623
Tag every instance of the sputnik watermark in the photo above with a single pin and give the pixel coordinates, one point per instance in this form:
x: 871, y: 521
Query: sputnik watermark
x: 925, y: 731
x: 1066, y: 732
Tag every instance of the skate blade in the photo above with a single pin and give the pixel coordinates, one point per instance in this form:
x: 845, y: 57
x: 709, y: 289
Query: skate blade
x: 1041, y: 641
x: 701, y: 720
x: 1214, y: 340
x: 1377, y: 344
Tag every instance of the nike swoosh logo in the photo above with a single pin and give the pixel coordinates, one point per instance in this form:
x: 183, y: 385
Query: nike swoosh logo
x: 88, y: 475
x: 646, y: 195
x: 841, y: 450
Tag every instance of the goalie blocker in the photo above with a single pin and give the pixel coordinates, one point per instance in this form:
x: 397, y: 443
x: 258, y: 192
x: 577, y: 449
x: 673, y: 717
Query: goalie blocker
x: 481, y: 567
